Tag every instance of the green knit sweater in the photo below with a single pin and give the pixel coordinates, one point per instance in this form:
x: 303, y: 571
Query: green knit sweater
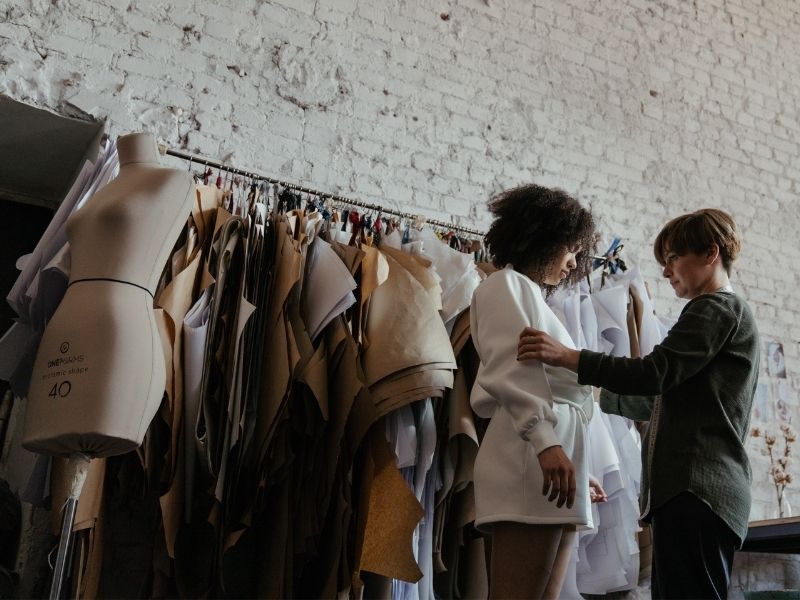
x: 700, y: 381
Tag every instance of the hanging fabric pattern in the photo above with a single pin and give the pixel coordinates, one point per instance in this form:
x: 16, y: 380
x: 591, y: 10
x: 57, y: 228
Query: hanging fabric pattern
x: 315, y: 437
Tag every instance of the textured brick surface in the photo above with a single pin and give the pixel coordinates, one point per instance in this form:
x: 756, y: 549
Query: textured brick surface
x: 643, y: 109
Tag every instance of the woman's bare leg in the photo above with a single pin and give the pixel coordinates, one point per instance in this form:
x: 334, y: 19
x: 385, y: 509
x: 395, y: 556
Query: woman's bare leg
x: 525, y: 560
x: 561, y: 563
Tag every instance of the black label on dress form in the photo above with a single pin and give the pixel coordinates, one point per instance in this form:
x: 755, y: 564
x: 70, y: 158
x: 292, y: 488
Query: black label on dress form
x: 62, y: 370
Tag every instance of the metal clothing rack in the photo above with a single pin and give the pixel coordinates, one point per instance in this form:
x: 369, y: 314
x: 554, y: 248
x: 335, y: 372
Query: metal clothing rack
x: 336, y: 198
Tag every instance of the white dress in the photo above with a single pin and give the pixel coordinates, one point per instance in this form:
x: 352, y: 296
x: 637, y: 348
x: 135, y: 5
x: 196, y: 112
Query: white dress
x: 532, y: 407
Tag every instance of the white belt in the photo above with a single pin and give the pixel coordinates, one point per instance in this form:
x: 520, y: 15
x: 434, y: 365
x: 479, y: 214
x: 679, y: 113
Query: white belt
x: 574, y: 405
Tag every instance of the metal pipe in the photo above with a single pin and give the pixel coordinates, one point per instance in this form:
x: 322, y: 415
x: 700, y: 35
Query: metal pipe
x: 77, y: 468
x: 252, y: 175
x: 64, y: 544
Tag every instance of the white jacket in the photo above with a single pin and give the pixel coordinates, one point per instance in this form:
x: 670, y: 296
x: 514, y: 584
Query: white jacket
x: 532, y: 406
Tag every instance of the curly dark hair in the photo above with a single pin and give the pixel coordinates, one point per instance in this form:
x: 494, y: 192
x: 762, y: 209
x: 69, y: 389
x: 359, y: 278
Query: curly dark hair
x: 533, y: 225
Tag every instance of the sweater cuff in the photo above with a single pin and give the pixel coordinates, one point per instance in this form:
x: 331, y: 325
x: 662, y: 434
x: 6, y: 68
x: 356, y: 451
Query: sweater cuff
x: 542, y: 436
x: 609, y: 402
x: 589, y: 367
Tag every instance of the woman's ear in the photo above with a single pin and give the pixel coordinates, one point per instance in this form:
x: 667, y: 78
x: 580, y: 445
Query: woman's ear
x: 712, y: 254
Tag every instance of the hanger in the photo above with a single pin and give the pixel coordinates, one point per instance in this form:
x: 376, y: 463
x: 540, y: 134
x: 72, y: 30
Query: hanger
x: 356, y: 221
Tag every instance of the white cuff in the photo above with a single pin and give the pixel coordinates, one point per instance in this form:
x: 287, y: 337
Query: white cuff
x: 542, y: 436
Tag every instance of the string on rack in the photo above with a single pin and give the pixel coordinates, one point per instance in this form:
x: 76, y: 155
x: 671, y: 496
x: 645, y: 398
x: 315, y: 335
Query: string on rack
x: 336, y: 198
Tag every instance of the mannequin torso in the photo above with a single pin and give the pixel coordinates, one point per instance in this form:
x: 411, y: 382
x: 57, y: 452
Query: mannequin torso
x: 99, y: 373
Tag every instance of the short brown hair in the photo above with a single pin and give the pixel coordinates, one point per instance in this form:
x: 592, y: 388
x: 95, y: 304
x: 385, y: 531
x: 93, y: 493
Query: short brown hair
x: 696, y: 232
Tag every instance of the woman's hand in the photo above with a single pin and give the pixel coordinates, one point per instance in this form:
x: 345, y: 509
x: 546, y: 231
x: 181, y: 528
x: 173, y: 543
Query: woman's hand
x: 558, y: 476
x: 537, y: 345
x: 596, y: 491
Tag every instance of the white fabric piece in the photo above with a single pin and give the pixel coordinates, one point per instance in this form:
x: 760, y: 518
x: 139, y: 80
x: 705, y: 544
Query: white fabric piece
x: 569, y: 591
x: 329, y: 288
x: 424, y: 480
x: 427, y: 445
x: 605, y: 461
x: 433, y: 484
x: 42, y: 281
x: 651, y: 332
x: 459, y: 274
x: 610, y: 555
x: 195, y: 331
x: 51, y: 241
x: 611, y: 307
x: 589, y: 322
x: 425, y: 486
x: 393, y: 240
x: 401, y: 433
x: 607, y: 559
x: 602, y: 567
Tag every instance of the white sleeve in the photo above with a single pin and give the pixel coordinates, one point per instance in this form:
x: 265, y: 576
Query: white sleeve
x: 501, y: 311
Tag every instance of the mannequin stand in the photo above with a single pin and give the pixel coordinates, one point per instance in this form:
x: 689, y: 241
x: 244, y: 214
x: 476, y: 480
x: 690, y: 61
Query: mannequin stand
x: 78, y: 467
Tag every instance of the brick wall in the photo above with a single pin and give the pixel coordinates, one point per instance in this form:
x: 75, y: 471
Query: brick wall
x: 644, y: 109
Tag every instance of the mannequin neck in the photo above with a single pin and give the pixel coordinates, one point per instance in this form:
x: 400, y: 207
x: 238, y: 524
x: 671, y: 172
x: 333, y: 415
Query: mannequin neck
x: 137, y: 148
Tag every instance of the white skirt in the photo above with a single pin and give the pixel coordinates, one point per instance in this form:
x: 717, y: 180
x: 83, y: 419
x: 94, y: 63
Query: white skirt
x: 508, y: 477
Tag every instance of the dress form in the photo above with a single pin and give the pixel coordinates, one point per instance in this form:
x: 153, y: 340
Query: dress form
x: 99, y: 374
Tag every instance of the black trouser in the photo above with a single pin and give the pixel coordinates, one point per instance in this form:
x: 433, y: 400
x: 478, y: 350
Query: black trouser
x: 692, y: 550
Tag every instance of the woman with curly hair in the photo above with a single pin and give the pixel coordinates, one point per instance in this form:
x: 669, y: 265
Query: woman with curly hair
x: 532, y: 487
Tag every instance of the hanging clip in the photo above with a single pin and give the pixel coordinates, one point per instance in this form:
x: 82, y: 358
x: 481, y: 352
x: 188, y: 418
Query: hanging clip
x: 610, y: 262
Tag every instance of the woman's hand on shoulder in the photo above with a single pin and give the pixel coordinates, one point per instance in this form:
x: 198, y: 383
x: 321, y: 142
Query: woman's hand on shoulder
x: 537, y: 345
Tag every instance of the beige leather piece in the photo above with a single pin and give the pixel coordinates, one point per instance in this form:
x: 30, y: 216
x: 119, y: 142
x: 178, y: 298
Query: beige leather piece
x: 175, y: 300
x: 165, y: 334
x: 403, y: 328
x: 415, y: 395
x: 419, y: 267
x: 463, y: 478
x: 207, y: 200
x: 435, y: 374
x: 217, y: 220
x: 209, y: 432
x: 315, y: 375
x: 392, y: 394
x: 88, y: 561
x: 638, y: 310
x: 243, y: 311
x: 393, y: 514
x: 374, y: 273
x: 354, y: 407
x: 351, y: 256
x: 461, y: 419
x: 462, y: 510
x: 402, y: 374
x: 473, y: 564
x: 280, y: 354
x: 633, y: 328
x: 460, y: 332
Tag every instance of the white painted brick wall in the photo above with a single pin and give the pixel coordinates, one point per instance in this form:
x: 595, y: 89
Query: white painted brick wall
x: 644, y: 109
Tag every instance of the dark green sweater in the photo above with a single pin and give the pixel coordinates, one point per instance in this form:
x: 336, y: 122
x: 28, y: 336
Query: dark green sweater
x: 701, y: 379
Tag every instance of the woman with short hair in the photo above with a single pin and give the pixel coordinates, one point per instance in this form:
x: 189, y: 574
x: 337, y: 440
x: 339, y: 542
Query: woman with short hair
x: 696, y: 388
